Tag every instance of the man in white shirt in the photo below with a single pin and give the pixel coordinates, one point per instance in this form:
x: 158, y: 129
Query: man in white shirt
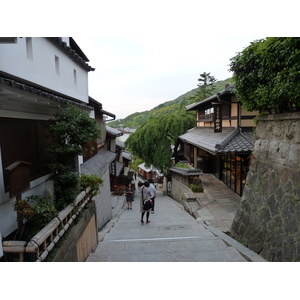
x: 152, y: 190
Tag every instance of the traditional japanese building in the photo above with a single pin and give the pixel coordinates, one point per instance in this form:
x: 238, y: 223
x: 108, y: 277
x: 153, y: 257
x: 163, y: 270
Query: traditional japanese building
x: 222, y: 141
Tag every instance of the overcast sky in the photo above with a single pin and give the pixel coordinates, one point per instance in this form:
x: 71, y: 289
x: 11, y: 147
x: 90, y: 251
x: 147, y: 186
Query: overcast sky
x: 138, y: 73
x: 135, y: 74
x: 149, y: 52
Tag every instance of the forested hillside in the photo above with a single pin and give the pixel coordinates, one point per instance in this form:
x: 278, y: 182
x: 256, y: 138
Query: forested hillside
x: 138, y: 118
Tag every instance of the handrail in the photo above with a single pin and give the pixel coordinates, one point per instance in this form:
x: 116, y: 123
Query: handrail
x: 45, y: 240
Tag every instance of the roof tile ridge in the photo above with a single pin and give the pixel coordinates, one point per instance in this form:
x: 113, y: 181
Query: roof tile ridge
x: 227, y: 138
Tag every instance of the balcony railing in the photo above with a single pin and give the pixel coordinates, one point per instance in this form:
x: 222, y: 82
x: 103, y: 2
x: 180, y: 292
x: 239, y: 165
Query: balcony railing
x: 206, y: 118
x: 44, y: 241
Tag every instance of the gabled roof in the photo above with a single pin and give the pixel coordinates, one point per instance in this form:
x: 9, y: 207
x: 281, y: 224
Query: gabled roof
x: 229, y: 140
x: 223, y: 96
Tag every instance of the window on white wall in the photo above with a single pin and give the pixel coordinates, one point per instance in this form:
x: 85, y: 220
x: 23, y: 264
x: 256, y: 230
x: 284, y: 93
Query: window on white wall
x: 75, y: 76
x: 29, y: 51
x: 57, y: 65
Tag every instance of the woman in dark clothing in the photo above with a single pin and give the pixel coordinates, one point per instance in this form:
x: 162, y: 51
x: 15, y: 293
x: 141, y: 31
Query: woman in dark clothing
x: 129, y: 196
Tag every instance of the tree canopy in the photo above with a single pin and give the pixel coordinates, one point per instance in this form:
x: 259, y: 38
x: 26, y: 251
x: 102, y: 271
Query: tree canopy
x: 152, y: 141
x: 266, y: 75
x: 206, y: 87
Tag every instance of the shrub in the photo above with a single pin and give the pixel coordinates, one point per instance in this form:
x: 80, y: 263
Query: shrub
x: 196, y: 188
x: 181, y: 165
x: 44, y: 211
x: 66, y: 187
x: 93, y: 181
x: 24, y: 213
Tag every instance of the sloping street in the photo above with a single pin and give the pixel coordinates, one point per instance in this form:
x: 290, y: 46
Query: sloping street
x: 172, y: 235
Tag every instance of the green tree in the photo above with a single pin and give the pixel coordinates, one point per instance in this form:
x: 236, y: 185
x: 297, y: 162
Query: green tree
x: 152, y: 141
x: 206, y: 87
x: 266, y: 75
x: 71, y: 130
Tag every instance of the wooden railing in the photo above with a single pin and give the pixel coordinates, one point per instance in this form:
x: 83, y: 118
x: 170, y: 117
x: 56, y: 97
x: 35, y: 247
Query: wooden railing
x: 44, y: 241
x: 206, y: 117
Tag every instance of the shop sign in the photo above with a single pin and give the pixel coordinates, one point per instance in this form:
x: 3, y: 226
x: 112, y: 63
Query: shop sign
x: 218, y: 118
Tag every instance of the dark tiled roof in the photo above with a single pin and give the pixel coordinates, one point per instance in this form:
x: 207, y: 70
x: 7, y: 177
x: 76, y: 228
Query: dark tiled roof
x: 108, y: 155
x: 186, y: 172
x: 205, y: 138
x: 229, y: 140
x: 242, y: 142
x: 120, y: 144
x: 40, y: 92
x: 113, y: 131
x: 126, y: 155
x: 96, y: 165
x: 228, y: 91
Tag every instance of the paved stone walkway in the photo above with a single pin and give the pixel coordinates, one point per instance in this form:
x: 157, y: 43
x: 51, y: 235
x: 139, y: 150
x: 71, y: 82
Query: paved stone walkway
x: 173, y: 235
x: 218, y: 204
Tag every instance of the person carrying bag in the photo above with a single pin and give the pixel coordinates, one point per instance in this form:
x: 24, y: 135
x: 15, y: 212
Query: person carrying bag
x: 145, y: 202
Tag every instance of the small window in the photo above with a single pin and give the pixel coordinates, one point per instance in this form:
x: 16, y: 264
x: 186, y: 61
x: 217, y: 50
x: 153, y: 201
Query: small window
x: 29, y: 51
x: 75, y: 76
x: 57, y: 65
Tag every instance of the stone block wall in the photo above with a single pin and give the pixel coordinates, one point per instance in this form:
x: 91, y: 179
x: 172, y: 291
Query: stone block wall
x: 177, y: 191
x: 269, y: 219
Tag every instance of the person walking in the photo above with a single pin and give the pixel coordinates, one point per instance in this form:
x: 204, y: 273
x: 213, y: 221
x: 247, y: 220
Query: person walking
x: 152, y: 190
x: 129, y: 196
x: 145, y: 194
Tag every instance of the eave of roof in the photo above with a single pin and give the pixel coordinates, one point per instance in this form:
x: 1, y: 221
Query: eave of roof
x: 217, y: 97
x: 113, y: 131
x: 108, y: 155
x: 77, y: 53
x: 126, y: 155
x: 230, y: 140
x: 40, y: 92
x: 120, y: 144
x: 186, y: 172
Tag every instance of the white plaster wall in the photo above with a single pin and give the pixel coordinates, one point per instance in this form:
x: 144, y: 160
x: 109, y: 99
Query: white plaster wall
x: 41, y: 68
x: 103, y: 202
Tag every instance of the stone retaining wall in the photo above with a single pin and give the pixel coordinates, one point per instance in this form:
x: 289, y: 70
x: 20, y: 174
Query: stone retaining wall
x: 269, y: 219
x: 177, y: 191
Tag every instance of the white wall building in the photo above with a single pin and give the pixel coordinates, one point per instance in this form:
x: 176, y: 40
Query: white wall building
x: 37, y: 76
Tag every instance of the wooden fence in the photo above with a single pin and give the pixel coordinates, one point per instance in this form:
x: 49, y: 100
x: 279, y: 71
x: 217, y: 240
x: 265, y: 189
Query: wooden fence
x: 44, y: 241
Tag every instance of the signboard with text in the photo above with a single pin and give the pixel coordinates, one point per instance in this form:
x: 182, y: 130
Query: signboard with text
x: 218, y: 118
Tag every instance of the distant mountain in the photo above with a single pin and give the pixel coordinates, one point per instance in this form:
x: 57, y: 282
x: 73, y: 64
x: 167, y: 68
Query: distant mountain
x: 138, y: 118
